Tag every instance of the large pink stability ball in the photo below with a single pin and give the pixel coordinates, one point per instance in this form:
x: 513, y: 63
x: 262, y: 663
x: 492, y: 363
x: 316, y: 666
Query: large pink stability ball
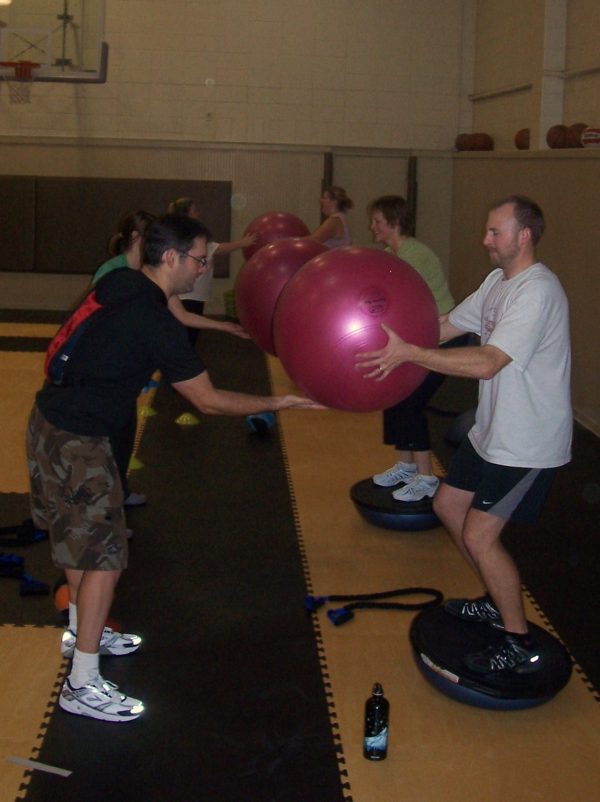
x: 333, y: 308
x: 261, y: 280
x: 272, y: 226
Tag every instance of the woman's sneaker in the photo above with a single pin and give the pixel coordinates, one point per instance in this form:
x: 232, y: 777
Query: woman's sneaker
x: 480, y: 609
x: 400, y: 472
x: 111, y: 642
x: 509, y: 656
x: 135, y: 499
x: 418, y: 488
x: 99, y: 699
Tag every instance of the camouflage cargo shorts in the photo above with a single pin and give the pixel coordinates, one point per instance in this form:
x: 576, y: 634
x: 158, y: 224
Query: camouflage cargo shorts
x: 76, y: 494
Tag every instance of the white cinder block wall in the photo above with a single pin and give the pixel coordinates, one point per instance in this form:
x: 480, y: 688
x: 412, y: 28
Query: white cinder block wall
x: 387, y: 77
x: 227, y: 89
x: 582, y: 93
x: 308, y: 72
x: 537, y: 64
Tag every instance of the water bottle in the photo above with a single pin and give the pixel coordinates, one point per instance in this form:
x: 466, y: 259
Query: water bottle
x: 377, y: 713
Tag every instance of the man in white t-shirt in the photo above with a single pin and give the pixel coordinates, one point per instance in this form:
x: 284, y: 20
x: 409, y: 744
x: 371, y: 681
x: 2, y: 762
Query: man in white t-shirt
x: 522, y: 432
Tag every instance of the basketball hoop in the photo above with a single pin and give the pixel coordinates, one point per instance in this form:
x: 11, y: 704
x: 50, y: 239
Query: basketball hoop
x: 19, y: 82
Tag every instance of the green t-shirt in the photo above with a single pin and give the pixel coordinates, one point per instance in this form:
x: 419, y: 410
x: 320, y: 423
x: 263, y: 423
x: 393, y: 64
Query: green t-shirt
x: 108, y: 267
x: 429, y: 267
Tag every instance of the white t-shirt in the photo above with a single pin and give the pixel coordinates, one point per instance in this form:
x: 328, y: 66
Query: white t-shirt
x: 203, y: 284
x: 524, y: 415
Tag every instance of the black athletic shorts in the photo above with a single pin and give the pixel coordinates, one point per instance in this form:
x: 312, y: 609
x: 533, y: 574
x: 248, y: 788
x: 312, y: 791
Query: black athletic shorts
x: 516, y: 494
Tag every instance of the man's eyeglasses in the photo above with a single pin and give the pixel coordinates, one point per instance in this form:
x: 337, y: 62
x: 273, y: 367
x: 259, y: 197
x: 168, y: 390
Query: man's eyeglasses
x: 202, y: 260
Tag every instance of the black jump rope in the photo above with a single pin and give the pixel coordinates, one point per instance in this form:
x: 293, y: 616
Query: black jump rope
x: 366, y: 601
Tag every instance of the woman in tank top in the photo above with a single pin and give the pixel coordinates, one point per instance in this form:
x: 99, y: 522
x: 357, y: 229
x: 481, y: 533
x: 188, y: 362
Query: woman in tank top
x: 334, y: 230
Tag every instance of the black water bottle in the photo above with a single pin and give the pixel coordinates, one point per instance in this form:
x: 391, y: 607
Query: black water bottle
x: 377, y: 714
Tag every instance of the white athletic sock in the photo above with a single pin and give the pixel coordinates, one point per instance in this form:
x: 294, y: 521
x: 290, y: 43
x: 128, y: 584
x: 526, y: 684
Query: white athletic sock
x: 85, y: 668
x: 73, y: 618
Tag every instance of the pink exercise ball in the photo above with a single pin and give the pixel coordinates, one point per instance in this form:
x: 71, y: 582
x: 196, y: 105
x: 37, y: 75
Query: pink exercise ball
x: 333, y: 307
x: 261, y: 280
x: 272, y: 226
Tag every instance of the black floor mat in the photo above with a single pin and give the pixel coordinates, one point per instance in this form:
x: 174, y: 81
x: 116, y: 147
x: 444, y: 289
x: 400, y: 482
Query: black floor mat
x: 229, y: 668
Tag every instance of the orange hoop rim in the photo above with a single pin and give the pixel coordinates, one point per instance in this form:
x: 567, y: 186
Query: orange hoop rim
x: 23, y: 69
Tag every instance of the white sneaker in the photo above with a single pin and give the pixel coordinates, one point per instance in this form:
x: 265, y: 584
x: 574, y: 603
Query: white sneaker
x: 400, y: 472
x: 418, y: 488
x: 111, y: 642
x: 135, y: 500
x: 99, y: 699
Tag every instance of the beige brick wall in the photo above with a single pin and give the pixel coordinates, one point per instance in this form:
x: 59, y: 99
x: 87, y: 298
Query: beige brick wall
x: 537, y: 64
x: 582, y: 93
x: 385, y: 73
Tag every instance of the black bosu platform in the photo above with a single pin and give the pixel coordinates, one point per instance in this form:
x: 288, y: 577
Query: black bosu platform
x: 440, y: 642
x: 377, y: 506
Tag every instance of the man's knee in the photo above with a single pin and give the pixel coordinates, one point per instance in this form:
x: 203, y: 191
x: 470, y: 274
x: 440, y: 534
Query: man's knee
x: 482, y: 532
x: 446, y: 504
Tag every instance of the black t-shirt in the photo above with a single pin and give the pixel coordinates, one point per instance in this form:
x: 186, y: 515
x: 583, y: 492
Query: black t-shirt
x: 116, y: 356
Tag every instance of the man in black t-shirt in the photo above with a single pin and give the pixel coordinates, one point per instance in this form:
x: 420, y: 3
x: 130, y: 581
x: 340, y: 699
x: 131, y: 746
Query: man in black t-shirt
x: 76, y: 492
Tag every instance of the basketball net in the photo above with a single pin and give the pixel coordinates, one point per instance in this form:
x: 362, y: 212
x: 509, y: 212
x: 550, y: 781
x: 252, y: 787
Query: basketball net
x: 19, y: 82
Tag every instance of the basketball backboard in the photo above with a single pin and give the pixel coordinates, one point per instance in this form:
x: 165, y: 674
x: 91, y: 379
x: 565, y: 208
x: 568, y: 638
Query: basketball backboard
x: 65, y: 37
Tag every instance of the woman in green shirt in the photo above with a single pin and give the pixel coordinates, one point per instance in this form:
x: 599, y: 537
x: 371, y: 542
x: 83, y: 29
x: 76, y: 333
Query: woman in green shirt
x: 405, y: 424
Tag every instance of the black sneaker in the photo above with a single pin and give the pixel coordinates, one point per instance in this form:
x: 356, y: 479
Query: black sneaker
x: 510, y: 655
x: 480, y: 609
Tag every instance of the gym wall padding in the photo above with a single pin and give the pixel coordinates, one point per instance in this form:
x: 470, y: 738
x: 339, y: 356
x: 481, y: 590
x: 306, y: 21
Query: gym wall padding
x: 263, y: 178
x: 453, y: 193
x: 17, y: 201
x: 62, y: 225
